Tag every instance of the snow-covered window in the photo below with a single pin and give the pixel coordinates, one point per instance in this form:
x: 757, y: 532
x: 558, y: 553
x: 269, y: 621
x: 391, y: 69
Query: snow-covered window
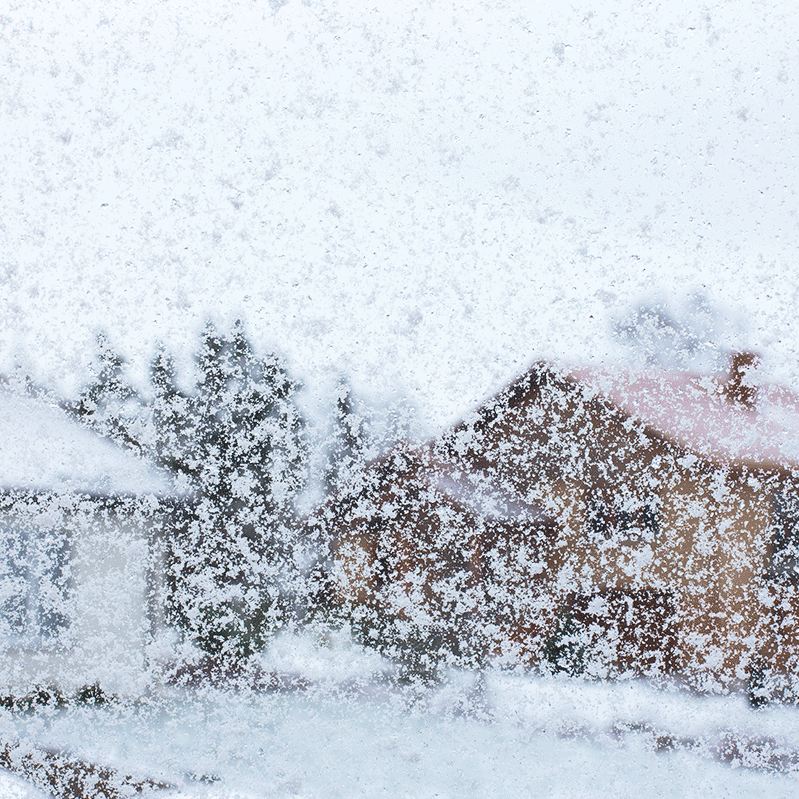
x: 34, y: 580
x: 784, y: 561
x: 622, y: 522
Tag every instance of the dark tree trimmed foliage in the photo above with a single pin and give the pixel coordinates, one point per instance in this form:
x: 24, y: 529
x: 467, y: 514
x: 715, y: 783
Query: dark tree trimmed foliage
x: 238, y: 441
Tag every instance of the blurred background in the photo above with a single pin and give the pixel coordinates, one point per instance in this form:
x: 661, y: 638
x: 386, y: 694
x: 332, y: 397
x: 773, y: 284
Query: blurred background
x: 422, y: 200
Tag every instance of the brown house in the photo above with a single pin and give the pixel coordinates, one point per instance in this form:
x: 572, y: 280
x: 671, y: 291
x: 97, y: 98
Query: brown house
x: 607, y: 521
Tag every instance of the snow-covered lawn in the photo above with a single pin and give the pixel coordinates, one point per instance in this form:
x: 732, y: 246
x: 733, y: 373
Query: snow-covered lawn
x: 12, y: 787
x: 355, y: 733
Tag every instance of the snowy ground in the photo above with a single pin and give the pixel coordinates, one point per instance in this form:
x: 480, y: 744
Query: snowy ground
x: 12, y: 787
x: 354, y: 733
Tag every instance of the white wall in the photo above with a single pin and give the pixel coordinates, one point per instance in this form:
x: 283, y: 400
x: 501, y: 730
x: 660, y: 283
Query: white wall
x: 102, y: 590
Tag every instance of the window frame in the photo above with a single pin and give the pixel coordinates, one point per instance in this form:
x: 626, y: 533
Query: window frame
x: 41, y: 568
x: 783, y: 539
x: 621, y: 522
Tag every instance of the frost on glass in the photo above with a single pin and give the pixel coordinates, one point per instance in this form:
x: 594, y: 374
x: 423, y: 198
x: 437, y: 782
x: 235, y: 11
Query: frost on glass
x: 583, y: 528
x: 353, y: 441
x: 603, y: 522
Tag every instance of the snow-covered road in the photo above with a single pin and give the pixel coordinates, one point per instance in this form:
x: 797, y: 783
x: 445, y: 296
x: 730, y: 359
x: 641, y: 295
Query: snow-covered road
x: 495, y: 735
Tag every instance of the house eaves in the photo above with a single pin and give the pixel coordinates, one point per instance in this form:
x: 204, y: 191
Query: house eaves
x: 693, y: 412
x: 42, y: 449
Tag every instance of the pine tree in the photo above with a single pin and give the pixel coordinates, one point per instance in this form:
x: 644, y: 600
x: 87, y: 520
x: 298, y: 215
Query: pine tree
x: 246, y: 452
x: 239, y: 441
x: 170, y: 417
x: 109, y: 404
x: 348, y: 442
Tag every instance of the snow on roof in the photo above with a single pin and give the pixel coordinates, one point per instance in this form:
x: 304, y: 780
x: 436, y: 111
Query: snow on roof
x: 695, y: 412
x: 42, y: 449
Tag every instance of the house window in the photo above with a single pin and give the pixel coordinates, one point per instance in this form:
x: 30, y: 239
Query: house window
x: 33, y: 585
x: 623, y: 523
x: 784, y: 561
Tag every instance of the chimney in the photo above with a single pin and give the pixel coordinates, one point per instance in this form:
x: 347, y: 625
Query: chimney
x: 740, y: 387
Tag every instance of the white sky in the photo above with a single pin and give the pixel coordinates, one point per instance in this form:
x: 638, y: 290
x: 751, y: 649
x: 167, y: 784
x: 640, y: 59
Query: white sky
x: 426, y: 199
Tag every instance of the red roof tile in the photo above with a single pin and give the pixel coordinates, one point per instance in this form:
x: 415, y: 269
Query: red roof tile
x: 693, y: 411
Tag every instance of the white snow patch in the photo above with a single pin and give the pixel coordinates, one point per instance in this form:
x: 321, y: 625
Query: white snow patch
x: 42, y: 449
x: 329, y: 656
x: 12, y: 787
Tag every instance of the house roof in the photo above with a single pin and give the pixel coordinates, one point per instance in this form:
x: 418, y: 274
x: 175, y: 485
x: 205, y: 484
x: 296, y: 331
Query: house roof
x: 697, y: 413
x: 42, y: 449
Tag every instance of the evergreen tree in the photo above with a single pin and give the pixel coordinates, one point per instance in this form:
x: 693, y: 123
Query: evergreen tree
x: 348, y: 441
x: 239, y: 440
x: 171, y: 417
x: 346, y: 455
x: 109, y: 404
x: 246, y: 454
